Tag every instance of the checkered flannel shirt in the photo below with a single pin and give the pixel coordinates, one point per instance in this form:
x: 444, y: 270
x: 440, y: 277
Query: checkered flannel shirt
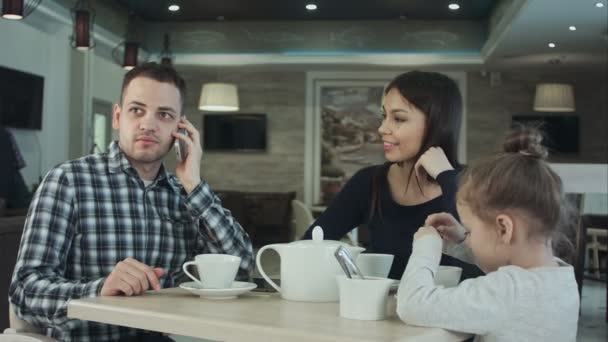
x: 88, y: 214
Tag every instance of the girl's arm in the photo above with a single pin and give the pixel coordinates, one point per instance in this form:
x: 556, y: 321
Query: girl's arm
x: 475, y: 306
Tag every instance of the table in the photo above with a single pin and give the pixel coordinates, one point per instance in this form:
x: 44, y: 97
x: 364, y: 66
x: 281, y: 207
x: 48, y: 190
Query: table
x: 251, y: 317
x: 599, y: 222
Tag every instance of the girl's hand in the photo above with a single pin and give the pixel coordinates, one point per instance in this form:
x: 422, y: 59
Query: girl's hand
x: 447, y: 226
x: 432, y: 162
x: 424, y: 231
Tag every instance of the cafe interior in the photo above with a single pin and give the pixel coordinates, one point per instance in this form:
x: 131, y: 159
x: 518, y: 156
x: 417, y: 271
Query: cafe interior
x: 286, y: 96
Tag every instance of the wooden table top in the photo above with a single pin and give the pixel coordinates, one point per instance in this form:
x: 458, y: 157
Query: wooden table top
x: 250, y: 317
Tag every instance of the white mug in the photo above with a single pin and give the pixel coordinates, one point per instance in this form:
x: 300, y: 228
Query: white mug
x: 216, y: 271
x: 448, y: 276
x: 375, y: 265
x: 363, y: 299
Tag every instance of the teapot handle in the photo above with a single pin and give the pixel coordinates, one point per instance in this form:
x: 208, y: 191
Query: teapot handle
x: 258, y: 263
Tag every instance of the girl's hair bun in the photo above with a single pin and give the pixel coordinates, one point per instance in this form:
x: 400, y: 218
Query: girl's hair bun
x: 527, y: 141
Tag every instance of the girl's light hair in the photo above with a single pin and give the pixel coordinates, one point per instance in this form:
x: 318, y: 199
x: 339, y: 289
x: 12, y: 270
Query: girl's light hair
x: 519, y: 178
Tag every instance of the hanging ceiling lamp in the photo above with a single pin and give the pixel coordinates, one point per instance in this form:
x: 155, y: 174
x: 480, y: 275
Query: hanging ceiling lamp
x: 554, y: 97
x: 83, y: 17
x: 129, y: 48
x: 166, y: 56
x: 18, y: 9
x: 219, y: 97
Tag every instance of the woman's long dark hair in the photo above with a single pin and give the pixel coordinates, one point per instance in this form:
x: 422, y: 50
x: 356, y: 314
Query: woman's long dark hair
x: 439, y: 98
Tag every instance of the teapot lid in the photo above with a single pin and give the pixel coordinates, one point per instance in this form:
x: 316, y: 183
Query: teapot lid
x: 318, y: 241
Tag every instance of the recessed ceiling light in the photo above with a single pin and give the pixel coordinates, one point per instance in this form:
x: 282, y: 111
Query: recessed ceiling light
x: 572, y: 28
x: 551, y: 45
x: 174, y: 8
x: 453, y: 7
x: 599, y: 5
x: 311, y: 7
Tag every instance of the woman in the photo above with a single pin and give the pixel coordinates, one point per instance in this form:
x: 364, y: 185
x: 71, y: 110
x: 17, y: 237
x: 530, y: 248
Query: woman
x: 421, y: 122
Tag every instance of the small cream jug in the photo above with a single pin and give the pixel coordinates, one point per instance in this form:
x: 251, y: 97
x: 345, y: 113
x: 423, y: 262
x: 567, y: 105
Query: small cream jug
x: 308, y: 268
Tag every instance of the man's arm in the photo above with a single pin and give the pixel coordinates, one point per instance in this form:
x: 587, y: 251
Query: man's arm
x: 39, y: 290
x: 219, y: 232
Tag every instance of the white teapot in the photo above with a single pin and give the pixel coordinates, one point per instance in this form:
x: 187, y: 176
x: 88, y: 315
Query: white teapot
x: 308, y: 268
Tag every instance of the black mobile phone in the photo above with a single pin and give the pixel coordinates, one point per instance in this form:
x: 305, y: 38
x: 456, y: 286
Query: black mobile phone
x: 181, y: 149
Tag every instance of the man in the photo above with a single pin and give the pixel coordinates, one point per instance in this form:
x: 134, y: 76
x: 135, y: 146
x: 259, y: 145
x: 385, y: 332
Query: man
x: 118, y: 223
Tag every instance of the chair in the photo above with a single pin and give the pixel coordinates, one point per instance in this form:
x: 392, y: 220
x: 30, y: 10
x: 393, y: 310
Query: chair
x: 594, y: 247
x: 598, y: 222
x: 302, y: 218
x: 22, y: 331
x: 576, y: 201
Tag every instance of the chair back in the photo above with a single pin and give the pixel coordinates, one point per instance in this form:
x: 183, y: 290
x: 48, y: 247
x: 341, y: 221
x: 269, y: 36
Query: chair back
x: 578, y: 237
x: 11, y: 336
x: 22, y: 331
x: 20, y: 326
x: 302, y: 218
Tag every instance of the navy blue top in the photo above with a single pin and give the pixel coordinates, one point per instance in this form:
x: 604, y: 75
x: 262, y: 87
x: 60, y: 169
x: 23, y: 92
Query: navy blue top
x: 392, y: 227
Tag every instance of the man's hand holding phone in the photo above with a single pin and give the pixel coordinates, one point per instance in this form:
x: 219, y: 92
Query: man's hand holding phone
x: 189, y: 151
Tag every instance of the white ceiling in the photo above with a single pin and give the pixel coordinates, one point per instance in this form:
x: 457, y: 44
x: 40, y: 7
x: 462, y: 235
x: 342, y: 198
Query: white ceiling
x: 520, y: 40
x: 540, y: 22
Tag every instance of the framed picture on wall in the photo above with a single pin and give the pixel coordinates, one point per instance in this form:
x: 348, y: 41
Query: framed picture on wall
x: 350, y: 117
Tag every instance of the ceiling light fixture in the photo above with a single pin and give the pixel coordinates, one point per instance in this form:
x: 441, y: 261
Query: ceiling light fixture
x: 83, y: 17
x: 166, y: 56
x: 18, y: 9
x: 599, y: 5
x: 311, y: 7
x: 554, y: 97
x: 454, y: 7
x: 174, y: 8
x: 572, y: 28
x: 127, y: 52
x: 552, y: 45
x: 219, y: 97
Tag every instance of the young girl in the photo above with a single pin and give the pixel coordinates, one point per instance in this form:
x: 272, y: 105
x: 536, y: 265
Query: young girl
x: 510, y: 205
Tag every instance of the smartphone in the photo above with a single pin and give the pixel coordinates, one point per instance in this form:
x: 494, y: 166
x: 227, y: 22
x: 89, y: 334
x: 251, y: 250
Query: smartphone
x: 181, y: 149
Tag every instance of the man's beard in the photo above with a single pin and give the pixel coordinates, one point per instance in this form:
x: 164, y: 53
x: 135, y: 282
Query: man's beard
x: 150, y: 157
x: 146, y: 156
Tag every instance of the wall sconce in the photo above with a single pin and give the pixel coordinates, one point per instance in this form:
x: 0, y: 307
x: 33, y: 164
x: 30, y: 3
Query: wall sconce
x: 554, y: 97
x: 18, y: 9
x: 83, y: 17
x: 219, y: 97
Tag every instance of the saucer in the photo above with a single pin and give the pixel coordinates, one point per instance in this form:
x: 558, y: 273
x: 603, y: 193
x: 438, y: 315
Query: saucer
x: 238, y: 288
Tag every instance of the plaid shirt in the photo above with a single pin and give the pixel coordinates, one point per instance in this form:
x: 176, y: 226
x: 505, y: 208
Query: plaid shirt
x: 88, y: 214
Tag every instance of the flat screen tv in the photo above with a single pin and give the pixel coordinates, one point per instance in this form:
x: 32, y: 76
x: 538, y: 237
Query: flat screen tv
x: 20, y: 99
x: 560, y: 132
x: 234, y: 132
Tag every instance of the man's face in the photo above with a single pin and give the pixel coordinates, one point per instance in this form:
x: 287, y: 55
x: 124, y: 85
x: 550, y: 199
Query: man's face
x: 149, y: 112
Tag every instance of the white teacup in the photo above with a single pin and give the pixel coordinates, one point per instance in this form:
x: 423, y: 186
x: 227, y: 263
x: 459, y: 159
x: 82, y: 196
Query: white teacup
x: 375, y: 265
x: 448, y: 276
x: 216, y: 271
x: 363, y: 299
